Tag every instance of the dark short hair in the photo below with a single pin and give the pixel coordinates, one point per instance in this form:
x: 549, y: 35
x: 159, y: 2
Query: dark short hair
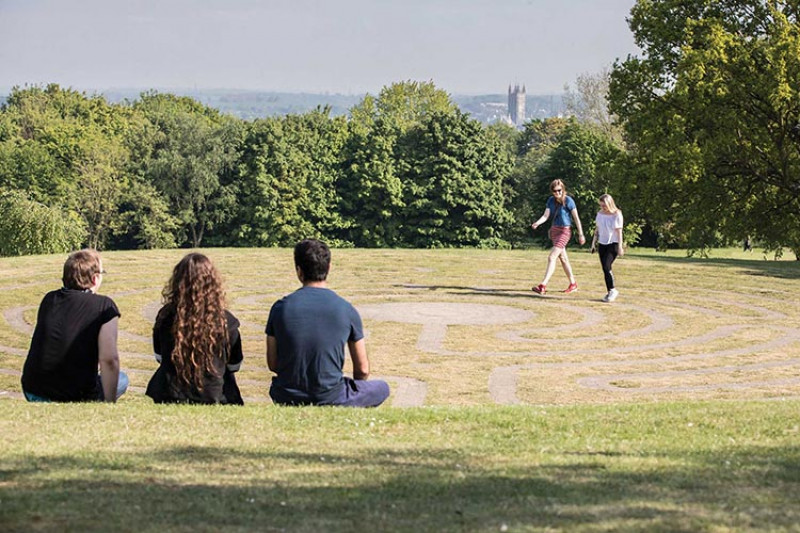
x: 314, y: 259
x: 79, y: 269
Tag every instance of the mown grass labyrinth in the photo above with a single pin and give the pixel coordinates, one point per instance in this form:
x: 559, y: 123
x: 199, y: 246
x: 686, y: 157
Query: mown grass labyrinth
x: 461, y: 327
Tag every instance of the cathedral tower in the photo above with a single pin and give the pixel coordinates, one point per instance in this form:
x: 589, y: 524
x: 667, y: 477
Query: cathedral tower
x: 516, y: 104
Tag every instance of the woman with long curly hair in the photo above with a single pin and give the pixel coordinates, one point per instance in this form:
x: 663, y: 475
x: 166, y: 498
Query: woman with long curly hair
x: 195, y: 339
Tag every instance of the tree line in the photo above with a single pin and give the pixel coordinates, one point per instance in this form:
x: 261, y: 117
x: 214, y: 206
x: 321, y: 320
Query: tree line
x: 406, y: 169
x: 698, y: 139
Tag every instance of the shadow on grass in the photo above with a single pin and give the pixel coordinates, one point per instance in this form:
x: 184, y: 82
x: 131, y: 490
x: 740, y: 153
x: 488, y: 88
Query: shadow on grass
x: 751, y: 267
x: 205, y: 489
x: 463, y: 290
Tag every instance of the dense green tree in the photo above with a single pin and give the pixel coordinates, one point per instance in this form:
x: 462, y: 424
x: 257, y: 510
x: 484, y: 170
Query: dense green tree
x: 372, y: 182
x: 66, y: 150
x: 405, y: 104
x: 370, y: 189
x: 287, y: 184
x: 584, y: 159
x: 321, y: 139
x: 453, y: 189
x: 711, y: 112
x: 418, y: 172
x: 506, y: 134
x: 194, y: 149
x: 148, y: 222
x: 40, y: 142
x: 101, y: 184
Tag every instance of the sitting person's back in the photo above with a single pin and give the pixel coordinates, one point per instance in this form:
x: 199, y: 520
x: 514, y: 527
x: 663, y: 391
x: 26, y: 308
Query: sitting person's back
x: 75, y: 334
x: 195, y: 340
x: 306, y: 335
x: 314, y: 324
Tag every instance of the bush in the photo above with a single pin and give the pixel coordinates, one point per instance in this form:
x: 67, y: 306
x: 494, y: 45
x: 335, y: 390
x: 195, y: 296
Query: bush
x: 28, y: 227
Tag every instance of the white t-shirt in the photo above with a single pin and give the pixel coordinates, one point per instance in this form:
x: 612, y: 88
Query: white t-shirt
x: 606, y: 224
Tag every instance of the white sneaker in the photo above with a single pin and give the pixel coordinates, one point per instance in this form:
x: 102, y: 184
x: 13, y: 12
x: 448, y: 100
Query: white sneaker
x: 611, y: 296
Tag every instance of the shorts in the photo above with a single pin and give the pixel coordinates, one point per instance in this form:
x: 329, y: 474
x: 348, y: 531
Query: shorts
x: 560, y: 235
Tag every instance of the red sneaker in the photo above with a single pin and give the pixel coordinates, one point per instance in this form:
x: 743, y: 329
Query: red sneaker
x: 573, y: 287
x: 539, y: 289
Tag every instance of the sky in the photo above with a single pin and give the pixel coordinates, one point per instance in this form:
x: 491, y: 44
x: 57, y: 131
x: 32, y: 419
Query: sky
x: 314, y: 46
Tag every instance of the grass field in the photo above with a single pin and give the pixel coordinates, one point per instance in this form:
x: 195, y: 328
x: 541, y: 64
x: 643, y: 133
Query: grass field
x: 675, y: 408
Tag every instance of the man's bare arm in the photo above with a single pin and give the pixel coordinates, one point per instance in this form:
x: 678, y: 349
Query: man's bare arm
x: 272, y: 353
x: 108, y: 359
x: 358, y: 353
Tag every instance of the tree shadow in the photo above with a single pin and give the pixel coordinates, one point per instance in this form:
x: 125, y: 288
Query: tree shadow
x: 199, y: 488
x: 750, y: 267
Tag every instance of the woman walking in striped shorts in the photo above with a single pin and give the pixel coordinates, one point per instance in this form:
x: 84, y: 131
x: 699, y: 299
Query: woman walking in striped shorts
x: 563, y: 209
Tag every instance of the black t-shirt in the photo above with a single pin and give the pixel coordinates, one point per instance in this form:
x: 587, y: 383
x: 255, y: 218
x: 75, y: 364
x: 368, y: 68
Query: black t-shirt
x: 165, y: 387
x: 62, y: 361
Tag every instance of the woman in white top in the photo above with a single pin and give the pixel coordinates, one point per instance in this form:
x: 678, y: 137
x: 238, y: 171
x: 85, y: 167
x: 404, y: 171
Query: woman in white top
x: 608, y: 241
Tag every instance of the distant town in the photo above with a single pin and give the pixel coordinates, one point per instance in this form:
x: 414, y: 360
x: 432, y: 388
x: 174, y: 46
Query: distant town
x: 513, y: 108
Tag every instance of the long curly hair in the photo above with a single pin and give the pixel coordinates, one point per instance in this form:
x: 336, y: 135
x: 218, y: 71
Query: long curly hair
x: 200, y: 330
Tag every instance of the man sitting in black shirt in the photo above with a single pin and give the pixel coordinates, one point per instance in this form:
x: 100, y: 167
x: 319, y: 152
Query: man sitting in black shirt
x: 76, y: 332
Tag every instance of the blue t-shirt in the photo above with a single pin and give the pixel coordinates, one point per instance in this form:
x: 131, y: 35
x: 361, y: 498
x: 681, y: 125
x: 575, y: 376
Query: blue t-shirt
x: 311, y: 327
x: 561, y: 214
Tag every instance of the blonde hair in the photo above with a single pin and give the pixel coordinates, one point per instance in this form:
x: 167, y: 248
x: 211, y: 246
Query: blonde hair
x: 609, y: 200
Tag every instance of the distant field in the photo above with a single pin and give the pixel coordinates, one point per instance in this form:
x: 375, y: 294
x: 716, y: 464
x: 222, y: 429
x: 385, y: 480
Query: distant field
x: 676, y: 408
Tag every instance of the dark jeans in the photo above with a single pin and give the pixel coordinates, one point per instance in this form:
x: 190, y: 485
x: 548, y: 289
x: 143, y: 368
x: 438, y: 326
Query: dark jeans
x: 363, y: 393
x: 354, y: 393
x: 607, y: 253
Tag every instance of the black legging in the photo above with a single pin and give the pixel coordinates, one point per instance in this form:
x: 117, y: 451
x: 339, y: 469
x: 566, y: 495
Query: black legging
x: 608, y: 252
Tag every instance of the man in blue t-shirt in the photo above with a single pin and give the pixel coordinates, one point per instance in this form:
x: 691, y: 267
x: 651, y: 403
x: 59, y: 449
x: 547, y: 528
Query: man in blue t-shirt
x: 306, y: 334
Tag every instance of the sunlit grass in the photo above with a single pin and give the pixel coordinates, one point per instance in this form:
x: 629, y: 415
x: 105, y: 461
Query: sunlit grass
x: 137, y: 467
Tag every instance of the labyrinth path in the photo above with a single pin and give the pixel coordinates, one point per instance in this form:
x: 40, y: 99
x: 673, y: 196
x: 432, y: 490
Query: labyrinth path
x: 459, y: 344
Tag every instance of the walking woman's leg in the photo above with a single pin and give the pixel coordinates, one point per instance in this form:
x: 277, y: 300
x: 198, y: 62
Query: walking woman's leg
x: 607, y: 253
x: 551, y: 264
x: 567, y: 267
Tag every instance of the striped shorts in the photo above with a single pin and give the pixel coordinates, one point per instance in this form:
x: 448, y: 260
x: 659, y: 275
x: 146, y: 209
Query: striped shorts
x: 560, y: 235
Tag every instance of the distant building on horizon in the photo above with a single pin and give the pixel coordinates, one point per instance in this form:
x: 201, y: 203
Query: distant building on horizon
x: 516, y: 105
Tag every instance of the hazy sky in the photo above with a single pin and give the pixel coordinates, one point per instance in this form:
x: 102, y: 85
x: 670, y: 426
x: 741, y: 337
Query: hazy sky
x: 336, y: 46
